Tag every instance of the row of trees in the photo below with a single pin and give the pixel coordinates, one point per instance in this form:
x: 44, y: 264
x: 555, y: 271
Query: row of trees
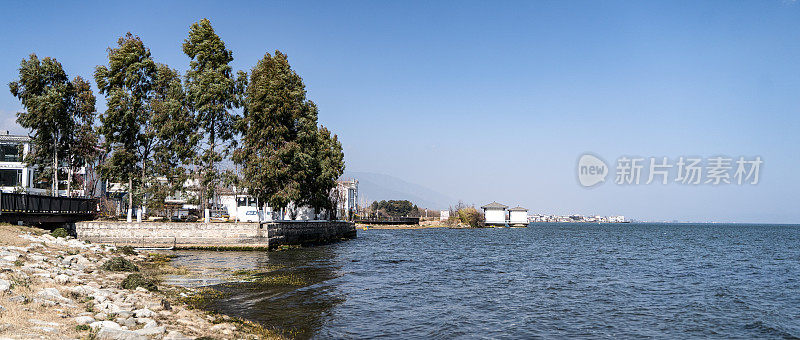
x: 394, y: 208
x: 160, y: 129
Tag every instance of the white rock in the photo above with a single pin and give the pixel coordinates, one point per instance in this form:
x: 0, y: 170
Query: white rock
x: 5, y: 285
x: 143, y: 313
x: 43, y: 323
x: 53, y: 294
x: 175, y: 335
x: 108, y: 307
x: 119, y: 334
x: 130, y: 322
x: 9, y: 258
x: 105, y: 324
x: 62, y: 279
x: 144, y: 320
x: 46, y: 329
x: 84, y: 320
x: 151, y: 331
x: 124, y: 314
x: 37, y: 257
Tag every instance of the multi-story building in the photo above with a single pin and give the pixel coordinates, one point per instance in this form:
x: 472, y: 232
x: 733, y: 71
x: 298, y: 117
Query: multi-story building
x: 348, y: 197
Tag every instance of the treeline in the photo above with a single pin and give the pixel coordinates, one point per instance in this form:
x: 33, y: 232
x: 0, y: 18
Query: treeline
x: 394, y: 208
x: 162, y: 128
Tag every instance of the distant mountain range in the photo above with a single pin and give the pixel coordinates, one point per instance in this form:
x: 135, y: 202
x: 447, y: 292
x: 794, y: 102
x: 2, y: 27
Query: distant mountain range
x: 377, y: 187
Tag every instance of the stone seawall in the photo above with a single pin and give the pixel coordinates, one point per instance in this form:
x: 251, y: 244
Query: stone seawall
x: 308, y: 233
x: 214, y: 235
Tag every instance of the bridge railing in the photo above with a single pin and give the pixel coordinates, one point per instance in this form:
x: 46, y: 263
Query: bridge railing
x: 40, y: 204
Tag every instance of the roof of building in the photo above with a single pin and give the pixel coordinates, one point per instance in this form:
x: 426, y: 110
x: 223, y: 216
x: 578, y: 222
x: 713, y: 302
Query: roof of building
x: 6, y: 137
x: 494, y: 205
x: 517, y: 208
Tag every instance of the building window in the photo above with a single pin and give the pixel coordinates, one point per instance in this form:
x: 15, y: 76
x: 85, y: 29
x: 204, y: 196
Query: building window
x: 39, y: 181
x: 10, y: 177
x: 10, y: 153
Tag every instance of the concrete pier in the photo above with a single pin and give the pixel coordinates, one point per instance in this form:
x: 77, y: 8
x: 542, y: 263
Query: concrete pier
x: 199, y: 235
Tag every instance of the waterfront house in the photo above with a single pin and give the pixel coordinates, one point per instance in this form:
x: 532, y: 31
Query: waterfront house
x: 518, y: 216
x: 16, y: 176
x: 347, y: 198
x: 495, y: 214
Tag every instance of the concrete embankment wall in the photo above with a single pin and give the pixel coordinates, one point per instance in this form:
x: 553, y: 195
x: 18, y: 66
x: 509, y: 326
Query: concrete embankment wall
x: 214, y: 235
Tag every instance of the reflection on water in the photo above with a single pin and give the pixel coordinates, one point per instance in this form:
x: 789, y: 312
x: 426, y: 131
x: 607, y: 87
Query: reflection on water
x: 289, y: 289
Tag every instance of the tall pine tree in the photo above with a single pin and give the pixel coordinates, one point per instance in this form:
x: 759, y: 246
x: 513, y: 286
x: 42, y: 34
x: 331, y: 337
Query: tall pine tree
x: 127, y: 83
x: 211, y: 92
x: 59, y: 114
x: 285, y: 157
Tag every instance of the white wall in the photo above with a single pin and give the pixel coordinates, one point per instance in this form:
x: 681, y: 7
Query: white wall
x: 518, y: 217
x: 495, y: 215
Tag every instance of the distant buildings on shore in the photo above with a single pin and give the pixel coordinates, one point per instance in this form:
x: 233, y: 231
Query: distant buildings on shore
x: 500, y: 214
x: 577, y: 218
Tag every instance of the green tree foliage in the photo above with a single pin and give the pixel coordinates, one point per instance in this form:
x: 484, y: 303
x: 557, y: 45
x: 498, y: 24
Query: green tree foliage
x: 59, y: 113
x: 148, y: 127
x: 127, y: 83
x: 325, y: 167
x: 174, y: 136
x: 82, y: 142
x: 212, y: 93
x: 285, y: 156
x: 394, y: 208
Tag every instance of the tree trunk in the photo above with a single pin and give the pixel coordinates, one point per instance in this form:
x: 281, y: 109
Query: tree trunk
x: 55, y: 171
x: 210, y: 169
x: 130, y: 198
x: 69, y: 181
x: 144, y: 183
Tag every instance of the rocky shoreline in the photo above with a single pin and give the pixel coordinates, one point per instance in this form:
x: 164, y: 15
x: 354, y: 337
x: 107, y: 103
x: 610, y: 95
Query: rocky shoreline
x: 59, y: 288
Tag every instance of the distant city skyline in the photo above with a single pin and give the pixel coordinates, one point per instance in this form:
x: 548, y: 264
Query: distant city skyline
x: 486, y: 101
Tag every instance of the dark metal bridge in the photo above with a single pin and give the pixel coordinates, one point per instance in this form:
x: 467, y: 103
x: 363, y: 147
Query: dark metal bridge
x: 39, y: 209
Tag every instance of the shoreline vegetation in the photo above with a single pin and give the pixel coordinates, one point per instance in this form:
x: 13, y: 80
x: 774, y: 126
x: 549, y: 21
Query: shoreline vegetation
x: 60, y: 287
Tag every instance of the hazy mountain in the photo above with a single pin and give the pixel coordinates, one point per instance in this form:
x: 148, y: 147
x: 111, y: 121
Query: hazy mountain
x: 376, y: 187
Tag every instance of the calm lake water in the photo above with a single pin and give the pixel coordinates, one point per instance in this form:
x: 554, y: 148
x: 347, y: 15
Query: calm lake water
x: 548, y: 280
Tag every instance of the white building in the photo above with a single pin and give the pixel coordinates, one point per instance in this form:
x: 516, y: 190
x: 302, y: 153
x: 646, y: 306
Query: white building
x: 495, y: 213
x: 245, y: 208
x: 347, y: 202
x: 444, y: 215
x: 518, y: 216
x: 16, y: 176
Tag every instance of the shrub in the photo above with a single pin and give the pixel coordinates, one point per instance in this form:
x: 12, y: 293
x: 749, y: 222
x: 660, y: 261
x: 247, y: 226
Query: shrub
x: 471, y: 217
x: 126, y: 250
x: 60, y: 232
x: 160, y: 259
x: 120, y: 264
x: 137, y: 280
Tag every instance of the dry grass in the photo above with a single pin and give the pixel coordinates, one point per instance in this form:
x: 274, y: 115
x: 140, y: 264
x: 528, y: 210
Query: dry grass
x: 18, y: 316
x: 9, y: 234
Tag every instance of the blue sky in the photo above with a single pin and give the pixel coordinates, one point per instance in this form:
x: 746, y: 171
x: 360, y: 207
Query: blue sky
x: 488, y: 101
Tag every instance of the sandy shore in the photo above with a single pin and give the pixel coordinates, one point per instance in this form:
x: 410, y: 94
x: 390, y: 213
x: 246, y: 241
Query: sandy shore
x: 56, y: 288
